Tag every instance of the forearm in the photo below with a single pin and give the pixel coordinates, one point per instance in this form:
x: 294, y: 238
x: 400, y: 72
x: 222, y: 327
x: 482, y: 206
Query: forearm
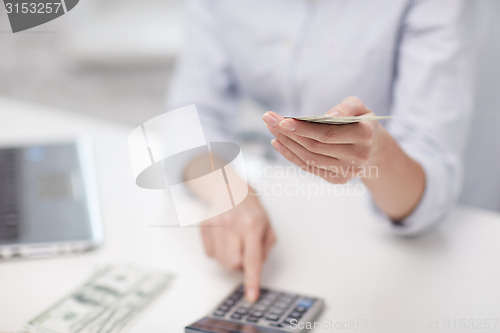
x: 398, y: 184
x: 199, y: 166
x: 212, y: 189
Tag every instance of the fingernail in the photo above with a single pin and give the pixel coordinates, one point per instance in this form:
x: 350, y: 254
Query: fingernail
x: 277, y: 145
x: 333, y: 113
x: 270, y: 120
x: 288, y: 125
x: 251, y: 295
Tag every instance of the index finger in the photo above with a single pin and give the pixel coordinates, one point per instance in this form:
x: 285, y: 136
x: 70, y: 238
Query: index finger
x: 253, y: 256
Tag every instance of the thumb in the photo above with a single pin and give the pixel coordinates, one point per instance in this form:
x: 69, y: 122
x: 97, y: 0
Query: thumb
x: 350, y: 107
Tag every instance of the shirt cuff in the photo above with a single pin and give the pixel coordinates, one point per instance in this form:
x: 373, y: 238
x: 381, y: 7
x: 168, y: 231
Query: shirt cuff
x: 441, y: 189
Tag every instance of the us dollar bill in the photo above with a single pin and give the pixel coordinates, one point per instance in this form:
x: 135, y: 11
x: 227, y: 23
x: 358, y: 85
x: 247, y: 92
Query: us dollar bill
x: 108, y: 302
x: 340, y: 120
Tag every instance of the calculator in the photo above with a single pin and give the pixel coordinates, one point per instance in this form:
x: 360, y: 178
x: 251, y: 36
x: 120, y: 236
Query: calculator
x: 274, y: 312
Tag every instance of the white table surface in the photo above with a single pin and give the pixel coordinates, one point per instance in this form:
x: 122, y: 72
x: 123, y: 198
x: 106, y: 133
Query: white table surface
x: 327, y: 246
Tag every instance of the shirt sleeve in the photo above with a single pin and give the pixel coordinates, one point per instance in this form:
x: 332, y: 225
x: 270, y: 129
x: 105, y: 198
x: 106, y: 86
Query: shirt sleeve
x: 432, y: 100
x: 203, y: 75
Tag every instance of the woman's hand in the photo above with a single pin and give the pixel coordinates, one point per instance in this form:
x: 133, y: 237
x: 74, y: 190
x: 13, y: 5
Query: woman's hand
x: 366, y: 150
x: 241, y: 239
x: 336, y: 153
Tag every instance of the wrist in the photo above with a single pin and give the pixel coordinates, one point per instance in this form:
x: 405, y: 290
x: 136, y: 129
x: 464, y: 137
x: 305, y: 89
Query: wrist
x: 383, y: 152
x: 399, y: 181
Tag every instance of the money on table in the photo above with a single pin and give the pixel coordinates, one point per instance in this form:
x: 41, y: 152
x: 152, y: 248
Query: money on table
x: 107, y: 302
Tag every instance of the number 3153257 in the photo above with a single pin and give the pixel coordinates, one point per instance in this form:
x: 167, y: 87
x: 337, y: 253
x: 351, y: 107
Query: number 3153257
x: 33, y: 8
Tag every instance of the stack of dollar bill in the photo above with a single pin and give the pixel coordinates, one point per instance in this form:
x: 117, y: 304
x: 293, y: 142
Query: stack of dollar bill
x: 339, y: 120
x: 108, y: 302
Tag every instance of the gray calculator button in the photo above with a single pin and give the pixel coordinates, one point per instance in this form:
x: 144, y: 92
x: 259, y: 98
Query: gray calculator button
x: 260, y: 307
x: 245, y: 304
x: 273, y: 317
x: 242, y: 311
x: 281, y: 306
x: 277, y: 311
x: 257, y: 314
x: 236, y: 296
x: 287, y: 297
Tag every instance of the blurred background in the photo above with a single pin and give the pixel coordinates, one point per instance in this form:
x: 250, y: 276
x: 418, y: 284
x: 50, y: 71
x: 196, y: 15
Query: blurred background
x: 114, y: 60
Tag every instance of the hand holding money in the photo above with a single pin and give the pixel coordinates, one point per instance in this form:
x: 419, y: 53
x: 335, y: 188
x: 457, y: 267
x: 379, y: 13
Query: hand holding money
x: 335, y: 152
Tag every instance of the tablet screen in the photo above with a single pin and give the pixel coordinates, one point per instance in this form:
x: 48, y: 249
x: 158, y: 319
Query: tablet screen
x: 44, y: 195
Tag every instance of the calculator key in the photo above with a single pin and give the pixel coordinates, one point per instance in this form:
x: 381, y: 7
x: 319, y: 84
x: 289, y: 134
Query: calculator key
x: 229, y: 302
x: 265, y: 304
x: 272, y: 294
x: 282, y: 305
x: 220, y: 313
x: 236, y: 316
x: 306, y: 302
x: 257, y: 314
x: 276, y: 311
x: 236, y: 296
x: 273, y: 317
x: 295, y: 314
x: 252, y: 319
x: 289, y: 320
x: 224, y: 308
x: 260, y: 307
x: 245, y: 304
x: 242, y: 311
x: 300, y: 308
x: 276, y: 324
x: 287, y: 297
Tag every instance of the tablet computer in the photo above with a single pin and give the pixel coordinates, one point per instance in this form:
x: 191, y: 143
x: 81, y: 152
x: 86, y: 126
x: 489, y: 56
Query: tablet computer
x: 48, y: 200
